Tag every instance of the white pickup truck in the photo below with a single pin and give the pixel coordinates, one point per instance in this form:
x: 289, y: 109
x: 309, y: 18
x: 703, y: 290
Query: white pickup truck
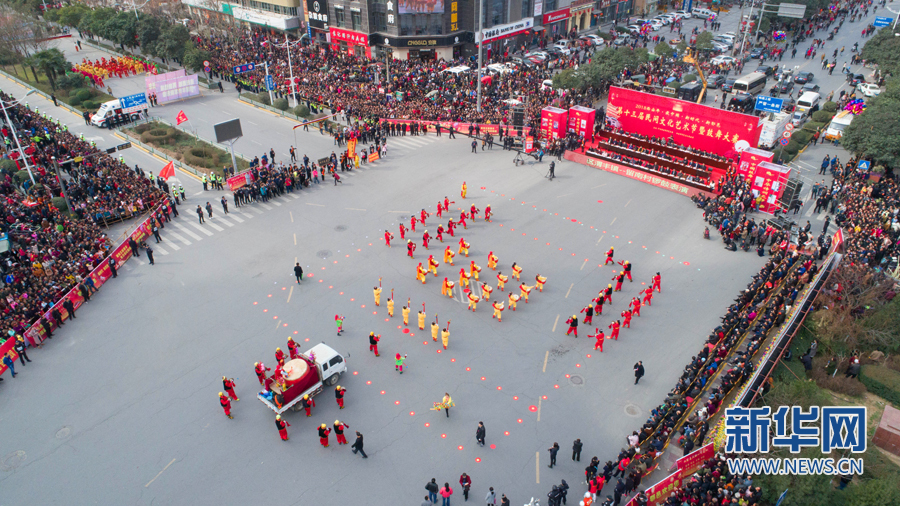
x: 306, y: 375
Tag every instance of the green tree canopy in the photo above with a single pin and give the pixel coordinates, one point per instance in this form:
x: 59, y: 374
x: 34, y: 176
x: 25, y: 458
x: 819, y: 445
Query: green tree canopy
x: 52, y: 63
x: 883, y: 49
x: 148, y: 31
x: 122, y: 29
x: 881, y: 144
x: 171, y: 43
x: 194, y: 57
x: 664, y: 49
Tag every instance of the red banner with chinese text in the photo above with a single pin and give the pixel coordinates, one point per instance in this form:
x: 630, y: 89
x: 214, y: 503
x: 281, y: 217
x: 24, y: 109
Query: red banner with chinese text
x: 769, y: 181
x: 554, y: 122
x: 690, y: 463
x: 581, y: 120
x: 629, y: 172
x: 660, y: 491
x: 708, y: 128
x: 445, y: 125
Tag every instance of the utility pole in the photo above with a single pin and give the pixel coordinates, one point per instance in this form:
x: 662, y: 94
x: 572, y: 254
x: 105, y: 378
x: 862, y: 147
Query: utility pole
x: 271, y: 95
x: 480, y: 37
x: 287, y: 44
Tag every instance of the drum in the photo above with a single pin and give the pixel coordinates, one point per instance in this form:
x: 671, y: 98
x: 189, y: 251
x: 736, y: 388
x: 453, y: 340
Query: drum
x: 294, y: 370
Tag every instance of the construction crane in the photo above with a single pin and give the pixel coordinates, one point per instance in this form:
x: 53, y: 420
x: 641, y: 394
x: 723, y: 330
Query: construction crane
x: 690, y: 56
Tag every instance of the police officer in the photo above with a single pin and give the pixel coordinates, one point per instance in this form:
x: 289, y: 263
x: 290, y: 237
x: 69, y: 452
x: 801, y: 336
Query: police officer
x: 205, y: 182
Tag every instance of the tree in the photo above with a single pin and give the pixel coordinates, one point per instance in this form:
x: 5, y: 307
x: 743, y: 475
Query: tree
x: 171, y: 43
x: 883, y: 49
x: 704, y: 41
x: 194, y: 57
x: 71, y: 15
x: 148, y: 31
x: 52, y: 63
x: 664, y: 49
x: 873, y: 134
x: 122, y: 29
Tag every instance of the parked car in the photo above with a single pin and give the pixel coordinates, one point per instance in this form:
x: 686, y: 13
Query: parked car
x: 868, y: 89
x: 765, y: 69
x: 856, y: 79
x: 786, y: 86
x: 715, y: 80
x: 633, y: 29
x: 594, y: 39
x: 682, y: 14
x: 809, y: 87
x: 756, y: 52
x: 728, y: 85
x: 788, y: 105
x: 803, y: 77
x: 722, y: 60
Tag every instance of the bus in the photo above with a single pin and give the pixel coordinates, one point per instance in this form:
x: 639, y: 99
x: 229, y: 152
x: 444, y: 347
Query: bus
x: 752, y: 83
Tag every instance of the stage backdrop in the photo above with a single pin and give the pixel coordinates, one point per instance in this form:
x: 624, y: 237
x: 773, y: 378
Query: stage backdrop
x: 707, y: 128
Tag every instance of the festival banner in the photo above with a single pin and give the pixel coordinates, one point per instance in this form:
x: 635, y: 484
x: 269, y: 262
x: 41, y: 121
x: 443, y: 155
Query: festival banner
x: 750, y: 160
x: 373, y: 157
x: 711, y: 129
x: 660, y: 491
x: 351, y: 147
x: 690, y: 463
x: 445, y: 125
x: 629, y: 172
x: 240, y: 179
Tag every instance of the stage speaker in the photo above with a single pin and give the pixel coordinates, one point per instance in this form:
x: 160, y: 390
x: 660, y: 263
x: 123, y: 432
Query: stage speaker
x: 518, y: 116
x: 791, y: 194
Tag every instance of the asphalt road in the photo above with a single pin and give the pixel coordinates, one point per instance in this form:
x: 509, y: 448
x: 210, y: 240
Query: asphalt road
x: 121, y: 408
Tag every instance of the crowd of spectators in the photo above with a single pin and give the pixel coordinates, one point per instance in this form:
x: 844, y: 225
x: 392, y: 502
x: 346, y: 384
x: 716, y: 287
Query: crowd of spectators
x: 51, y: 251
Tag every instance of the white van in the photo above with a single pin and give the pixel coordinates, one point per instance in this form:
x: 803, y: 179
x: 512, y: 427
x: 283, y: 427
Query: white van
x: 808, y: 102
x: 703, y: 13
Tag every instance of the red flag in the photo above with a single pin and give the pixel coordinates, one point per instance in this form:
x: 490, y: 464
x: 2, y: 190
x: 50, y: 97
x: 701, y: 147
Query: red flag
x: 167, y: 171
x: 181, y: 118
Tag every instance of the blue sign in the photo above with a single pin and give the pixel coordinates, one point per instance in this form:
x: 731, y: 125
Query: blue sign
x: 247, y: 67
x: 882, y: 21
x: 781, y: 497
x: 687, y: 5
x: 270, y: 83
x: 135, y: 100
x: 769, y: 104
x: 863, y: 165
x: 784, y: 141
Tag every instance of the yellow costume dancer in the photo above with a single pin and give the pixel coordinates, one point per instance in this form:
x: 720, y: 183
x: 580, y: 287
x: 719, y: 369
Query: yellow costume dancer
x: 473, y: 301
x: 498, y: 311
x: 463, y: 247
x: 445, y: 337
x: 435, y: 328
x: 486, y: 291
x: 513, y: 299
x: 406, y: 316
x: 448, y: 256
x: 539, y: 281
x: 525, y: 291
x: 390, y: 304
x: 464, y: 278
x: 492, y: 261
x: 447, y: 288
x: 517, y: 272
x: 474, y: 269
x: 377, y: 296
x: 464, y: 190
x: 432, y: 265
x: 420, y: 273
x: 501, y: 280
x: 421, y: 320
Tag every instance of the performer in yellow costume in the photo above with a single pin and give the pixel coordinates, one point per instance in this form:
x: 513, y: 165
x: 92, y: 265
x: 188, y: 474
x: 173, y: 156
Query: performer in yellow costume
x: 448, y: 256
x: 517, y: 272
x: 539, y: 281
x: 432, y: 265
x: 501, y: 280
x: 486, y: 291
x: 513, y: 299
x: 473, y: 301
x: 492, y: 261
x: 498, y: 311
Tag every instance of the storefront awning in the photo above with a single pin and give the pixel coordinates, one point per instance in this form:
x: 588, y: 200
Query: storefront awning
x: 539, y: 28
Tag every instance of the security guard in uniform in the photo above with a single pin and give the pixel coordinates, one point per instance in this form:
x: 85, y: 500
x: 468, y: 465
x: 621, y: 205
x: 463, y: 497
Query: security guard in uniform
x: 205, y: 181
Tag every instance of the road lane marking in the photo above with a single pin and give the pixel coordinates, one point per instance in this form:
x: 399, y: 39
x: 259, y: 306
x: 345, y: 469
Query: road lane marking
x: 157, y: 476
x: 547, y: 355
x: 570, y: 290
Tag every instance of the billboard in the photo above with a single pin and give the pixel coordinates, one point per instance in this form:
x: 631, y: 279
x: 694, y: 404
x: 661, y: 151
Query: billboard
x: 318, y: 13
x: 553, y: 122
x: 421, y: 6
x: 769, y: 181
x: 172, y: 86
x: 228, y: 130
x: 717, y: 131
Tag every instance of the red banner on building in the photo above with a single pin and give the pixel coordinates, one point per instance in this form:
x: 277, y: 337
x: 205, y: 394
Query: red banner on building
x: 553, y: 17
x: 708, y: 128
x: 553, y: 122
x: 750, y: 160
x: 351, y: 38
x: 690, y: 463
x: 769, y: 182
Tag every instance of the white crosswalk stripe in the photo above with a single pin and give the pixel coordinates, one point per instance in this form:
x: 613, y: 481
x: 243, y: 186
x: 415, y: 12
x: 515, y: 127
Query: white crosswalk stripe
x: 275, y: 203
x: 221, y: 220
x: 213, y: 225
x: 179, y: 237
x: 293, y: 196
x: 266, y: 206
x: 173, y: 245
x: 244, y: 214
x: 235, y: 218
x: 255, y: 210
x: 188, y: 231
x: 200, y: 228
x: 159, y: 249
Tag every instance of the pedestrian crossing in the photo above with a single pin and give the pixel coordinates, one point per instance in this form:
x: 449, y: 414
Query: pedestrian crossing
x: 186, y: 230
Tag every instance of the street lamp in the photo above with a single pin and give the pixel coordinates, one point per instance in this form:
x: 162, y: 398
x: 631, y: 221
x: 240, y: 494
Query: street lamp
x: 7, y: 105
x: 135, y: 7
x: 287, y: 45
